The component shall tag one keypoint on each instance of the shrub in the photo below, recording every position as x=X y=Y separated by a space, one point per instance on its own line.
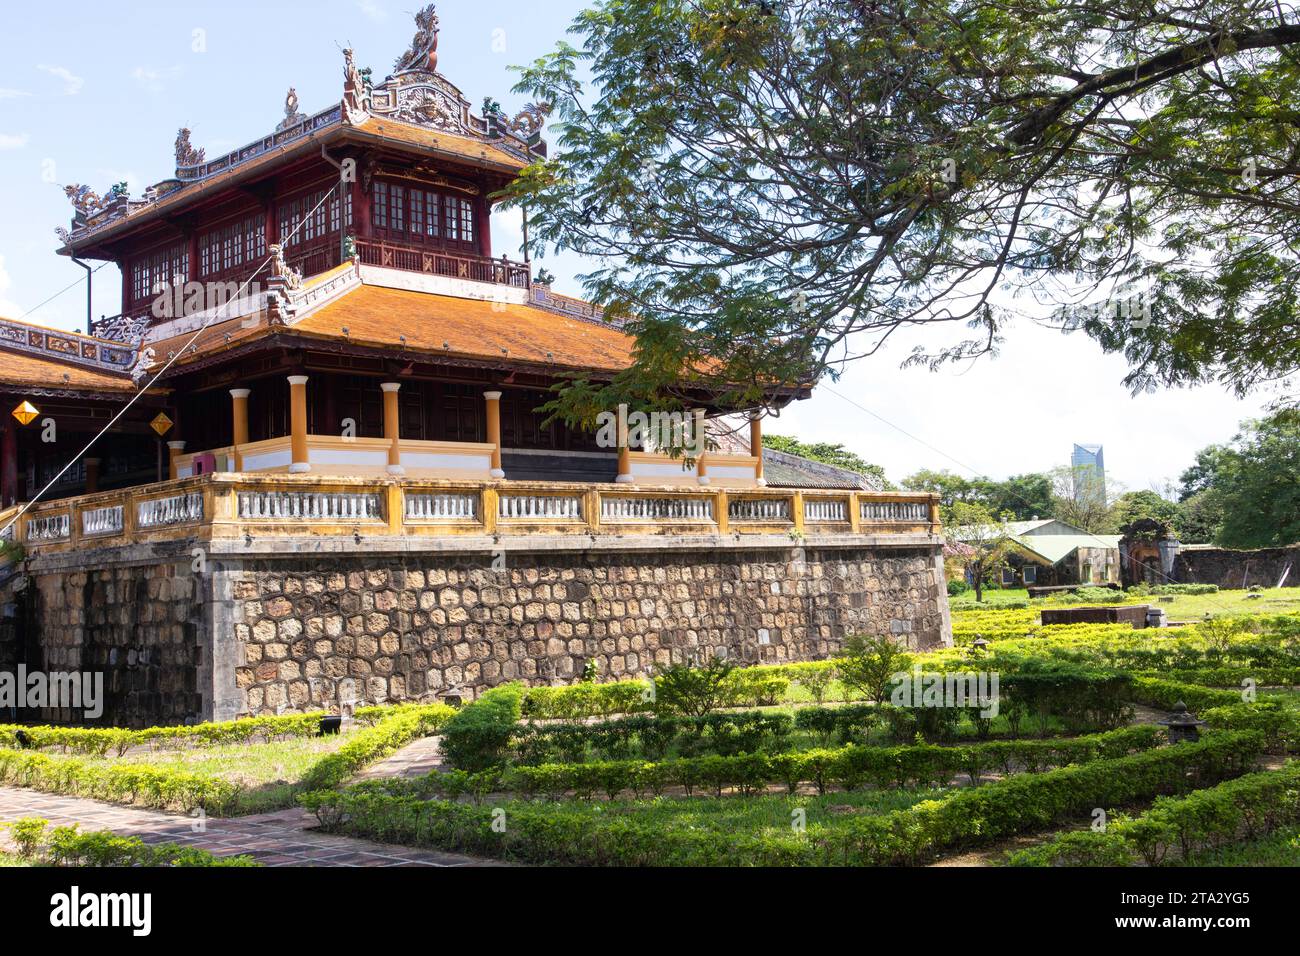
x=376 y=742
x=479 y=734
x=868 y=664
x=68 y=846
x=1246 y=808
x=691 y=690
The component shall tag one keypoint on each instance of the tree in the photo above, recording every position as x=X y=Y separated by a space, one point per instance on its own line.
x=981 y=544
x=770 y=190
x=1019 y=498
x=1085 y=503
x=829 y=454
x=1255 y=483
x=868 y=665
x=1199 y=518
x=1137 y=505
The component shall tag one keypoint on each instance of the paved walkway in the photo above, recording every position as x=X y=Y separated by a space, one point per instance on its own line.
x=273 y=839
x=417 y=759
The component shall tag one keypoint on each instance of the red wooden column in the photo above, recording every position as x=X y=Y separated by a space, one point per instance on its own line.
x=360 y=209
x=483 y=223
x=9 y=464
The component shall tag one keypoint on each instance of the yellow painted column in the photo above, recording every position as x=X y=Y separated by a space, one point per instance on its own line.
x=392 y=427
x=239 y=420
x=494 y=431
x=298 y=424
x=796 y=511
x=697 y=436
x=756 y=446
x=174 y=451
x=855 y=513
x=624 y=454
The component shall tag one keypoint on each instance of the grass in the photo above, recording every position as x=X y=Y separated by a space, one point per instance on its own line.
x=1179 y=607
x=268 y=772
x=13 y=859
x=1279 y=849
x=754 y=816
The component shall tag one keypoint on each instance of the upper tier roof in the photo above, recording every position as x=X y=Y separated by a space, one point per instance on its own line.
x=416 y=109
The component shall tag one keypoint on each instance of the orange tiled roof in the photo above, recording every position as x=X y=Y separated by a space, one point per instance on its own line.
x=378 y=316
x=18 y=368
x=210 y=339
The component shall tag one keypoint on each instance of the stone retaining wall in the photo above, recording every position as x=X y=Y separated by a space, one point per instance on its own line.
x=283 y=632
x=1237 y=569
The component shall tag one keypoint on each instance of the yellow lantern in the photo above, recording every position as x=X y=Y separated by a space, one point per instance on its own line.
x=161 y=424
x=26 y=413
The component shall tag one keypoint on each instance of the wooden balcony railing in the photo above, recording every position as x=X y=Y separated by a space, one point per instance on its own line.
x=439 y=262
x=248 y=506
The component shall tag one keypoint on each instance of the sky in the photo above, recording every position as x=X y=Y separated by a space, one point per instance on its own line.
x=94 y=93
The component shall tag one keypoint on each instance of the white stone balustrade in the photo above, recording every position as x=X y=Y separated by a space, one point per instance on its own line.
x=174 y=510
x=101 y=521
x=540 y=507
x=50 y=527
x=759 y=509
x=897 y=511
x=310 y=506
x=825 y=509
x=620 y=508
x=441 y=507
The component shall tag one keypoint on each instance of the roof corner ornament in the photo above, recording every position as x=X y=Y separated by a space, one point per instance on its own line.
x=423 y=54
x=140 y=370
x=356 y=92
x=186 y=154
x=122 y=328
x=291 y=115
x=530 y=120
x=281 y=273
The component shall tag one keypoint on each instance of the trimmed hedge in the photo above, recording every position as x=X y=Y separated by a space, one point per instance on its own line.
x=167 y=789
x=478 y=736
x=138 y=784
x=726 y=733
x=1163 y=694
x=1243 y=809
x=545 y=833
x=69 y=846
x=376 y=742
x=94 y=741
x=1280 y=727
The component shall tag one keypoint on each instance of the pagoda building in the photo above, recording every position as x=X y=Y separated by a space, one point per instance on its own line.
x=321 y=351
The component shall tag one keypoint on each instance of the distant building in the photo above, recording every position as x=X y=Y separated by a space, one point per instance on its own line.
x=1051 y=552
x=1088 y=464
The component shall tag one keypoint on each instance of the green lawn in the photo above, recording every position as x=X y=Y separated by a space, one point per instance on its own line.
x=268 y=772
x=1180 y=607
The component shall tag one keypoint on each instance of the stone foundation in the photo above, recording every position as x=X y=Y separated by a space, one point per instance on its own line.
x=288 y=631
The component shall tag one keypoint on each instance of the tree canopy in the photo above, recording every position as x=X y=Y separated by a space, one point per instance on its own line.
x=828 y=453
x=772 y=189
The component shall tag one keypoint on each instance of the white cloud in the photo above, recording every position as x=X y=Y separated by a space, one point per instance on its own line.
x=13 y=141
x=72 y=83
x=154 y=80
x=7 y=93
x=373 y=10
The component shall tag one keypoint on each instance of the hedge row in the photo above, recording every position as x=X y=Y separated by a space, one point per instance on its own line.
x=1280 y=727
x=1243 y=809
x=478 y=736
x=726 y=733
x=138 y=784
x=168 y=789
x=544 y=833
x=376 y=742
x=1164 y=694
x=94 y=741
x=744 y=687
x=847 y=768
x=68 y=846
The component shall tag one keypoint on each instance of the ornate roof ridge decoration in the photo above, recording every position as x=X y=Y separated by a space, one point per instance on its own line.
x=291 y=115
x=541 y=297
x=73 y=348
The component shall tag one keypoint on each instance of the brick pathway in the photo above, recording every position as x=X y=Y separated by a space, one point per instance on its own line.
x=273 y=839
x=417 y=759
